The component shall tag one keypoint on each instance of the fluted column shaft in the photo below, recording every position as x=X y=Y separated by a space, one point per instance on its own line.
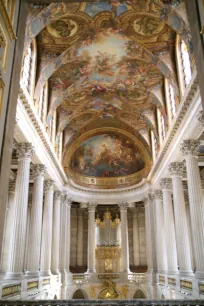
x=46 y=244
x=24 y=154
x=190 y=151
x=169 y=226
x=68 y=233
x=63 y=243
x=56 y=233
x=124 y=238
x=91 y=238
x=181 y=225
x=7 y=245
x=136 y=242
x=80 y=223
x=149 y=234
x=160 y=233
x=35 y=228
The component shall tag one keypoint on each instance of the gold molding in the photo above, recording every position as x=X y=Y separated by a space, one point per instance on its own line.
x=2 y=85
x=7 y=20
x=11 y=290
x=111 y=182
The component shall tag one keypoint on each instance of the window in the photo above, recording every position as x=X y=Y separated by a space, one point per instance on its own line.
x=186 y=63
x=163 y=131
x=172 y=101
x=26 y=68
x=154 y=145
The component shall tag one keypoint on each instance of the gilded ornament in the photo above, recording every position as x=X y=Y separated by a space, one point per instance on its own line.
x=7 y=20
x=108 y=291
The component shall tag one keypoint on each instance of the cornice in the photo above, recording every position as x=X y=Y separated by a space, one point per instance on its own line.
x=184 y=106
x=79 y=188
x=25 y=99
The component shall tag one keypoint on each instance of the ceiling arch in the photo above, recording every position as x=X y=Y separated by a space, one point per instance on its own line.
x=69 y=56
x=60 y=9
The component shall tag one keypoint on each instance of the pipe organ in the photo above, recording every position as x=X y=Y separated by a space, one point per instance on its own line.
x=108 y=244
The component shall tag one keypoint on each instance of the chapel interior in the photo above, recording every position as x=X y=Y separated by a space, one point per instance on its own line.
x=102 y=151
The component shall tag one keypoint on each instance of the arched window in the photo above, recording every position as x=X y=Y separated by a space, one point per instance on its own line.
x=26 y=68
x=172 y=101
x=186 y=63
x=161 y=126
x=163 y=131
x=29 y=67
x=154 y=145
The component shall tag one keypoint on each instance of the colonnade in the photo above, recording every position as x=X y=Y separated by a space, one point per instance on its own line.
x=49 y=229
x=168 y=230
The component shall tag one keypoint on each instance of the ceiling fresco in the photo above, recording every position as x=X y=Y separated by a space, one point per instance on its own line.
x=107 y=155
x=105 y=63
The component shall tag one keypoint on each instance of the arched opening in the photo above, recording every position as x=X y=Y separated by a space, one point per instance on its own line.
x=79 y=295
x=139 y=294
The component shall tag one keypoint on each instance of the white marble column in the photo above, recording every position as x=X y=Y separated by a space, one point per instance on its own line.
x=160 y=232
x=63 y=244
x=46 y=243
x=63 y=248
x=7 y=244
x=24 y=154
x=56 y=233
x=124 y=238
x=34 y=240
x=190 y=150
x=68 y=234
x=149 y=235
x=91 y=238
x=80 y=223
x=181 y=225
x=136 y=241
x=166 y=185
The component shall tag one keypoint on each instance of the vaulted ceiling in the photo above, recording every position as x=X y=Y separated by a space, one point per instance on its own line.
x=105 y=64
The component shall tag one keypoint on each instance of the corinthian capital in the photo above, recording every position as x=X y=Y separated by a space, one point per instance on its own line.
x=176 y=169
x=146 y=201
x=190 y=147
x=123 y=206
x=69 y=201
x=91 y=206
x=38 y=170
x=157 y=195
x=57 y=195
x=24 y=150
x=49 y=185
x=166 y=183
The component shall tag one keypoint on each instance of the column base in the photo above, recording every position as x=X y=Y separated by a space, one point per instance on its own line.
x=32 y=274
x=173 y=272
x=90 y=271
x=199 y=274
x=55 y=272
x=162 y=272
x=14 y=275
x=45 y=273
x=186 y=273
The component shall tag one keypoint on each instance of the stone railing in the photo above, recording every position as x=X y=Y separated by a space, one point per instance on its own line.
x=103 y=302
